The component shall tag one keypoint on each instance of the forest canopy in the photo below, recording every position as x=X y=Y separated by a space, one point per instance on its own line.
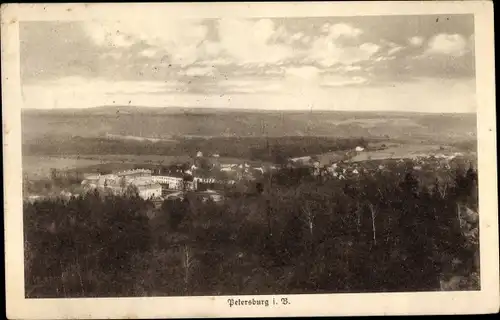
x=380 y=233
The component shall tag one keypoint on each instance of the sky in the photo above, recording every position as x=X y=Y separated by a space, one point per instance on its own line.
x=375 y=63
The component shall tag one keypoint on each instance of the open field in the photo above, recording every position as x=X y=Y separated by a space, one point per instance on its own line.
x=400 y=150
x=394 y=150
x=133 y=158
x=136 y=138
x=40 y=166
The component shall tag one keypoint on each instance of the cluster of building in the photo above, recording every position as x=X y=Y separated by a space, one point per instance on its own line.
x=148 y=185
x=118 y=183
x=153 y=186
x=346 y=168
x=200 y=176
x=171 y=184
x=212 y=168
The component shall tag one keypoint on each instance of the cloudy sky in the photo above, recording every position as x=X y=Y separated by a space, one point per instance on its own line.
x=402 y=63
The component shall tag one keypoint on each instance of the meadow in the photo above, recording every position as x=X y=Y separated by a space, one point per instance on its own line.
x=40 y=166
x=406 y=150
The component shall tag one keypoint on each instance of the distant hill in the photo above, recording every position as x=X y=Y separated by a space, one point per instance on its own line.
x=172 y=122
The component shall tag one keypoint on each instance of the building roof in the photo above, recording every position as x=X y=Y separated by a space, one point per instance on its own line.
x=175 y=174
x=141 y=181
x=149 y=187
x=134 y=171
x=91 y=176
x=305 y=158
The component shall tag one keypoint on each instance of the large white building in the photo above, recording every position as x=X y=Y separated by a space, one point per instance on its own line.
x=130 y=175
x=174 y=183
x=117 y=183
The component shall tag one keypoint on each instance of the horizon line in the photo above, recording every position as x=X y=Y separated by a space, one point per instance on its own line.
x=308 y=110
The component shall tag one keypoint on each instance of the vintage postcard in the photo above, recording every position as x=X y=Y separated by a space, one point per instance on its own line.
x=249 y=159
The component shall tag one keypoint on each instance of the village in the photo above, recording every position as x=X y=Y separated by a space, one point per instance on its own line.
x=209 y=178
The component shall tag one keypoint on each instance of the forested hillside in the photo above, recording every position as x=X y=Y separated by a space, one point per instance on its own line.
x=168 y=123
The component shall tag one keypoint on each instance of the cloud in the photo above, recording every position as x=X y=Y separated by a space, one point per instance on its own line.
x=307 y=73
x=248 y=42
x=341 y=30
x=198 y=71
x=250 y=85
x=244 y=43
x=340 y=81
x=297 y=36
x=416 y=41
x=328 y=53
x=331 y=48
x=297 y=79
x=369 y=48
x=391 y=47
x=306 y=39
x=76 y=84
x=79 y=92
x=113 y=54
x=309 y=83
x=447 y=44
x=108 y=34
x=394 y=50
x=182 y=39
x=149 y=53
x=216 y=62
x=274 y=71
x=349 y=68
x=306 y=82
x=211 y=49
x=287 y=58
x=381 y=58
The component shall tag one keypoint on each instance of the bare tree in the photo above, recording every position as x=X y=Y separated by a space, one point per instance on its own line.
x=64 y=276
x=443 y=190
x=308 y=217
x=131 y=191
x=373 y=212
x=358 y=218
x=461 y=221
x=187 y=264
x=123 y=184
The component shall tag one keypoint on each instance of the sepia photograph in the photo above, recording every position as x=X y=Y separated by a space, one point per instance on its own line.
x=259 y=159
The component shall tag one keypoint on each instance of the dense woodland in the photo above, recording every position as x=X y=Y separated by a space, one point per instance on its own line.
x=383 y=232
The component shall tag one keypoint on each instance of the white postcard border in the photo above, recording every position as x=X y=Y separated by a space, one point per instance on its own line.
x=484 y=301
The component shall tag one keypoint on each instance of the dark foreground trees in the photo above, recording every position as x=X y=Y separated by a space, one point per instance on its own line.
x=84 y=246
x=381 y=232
